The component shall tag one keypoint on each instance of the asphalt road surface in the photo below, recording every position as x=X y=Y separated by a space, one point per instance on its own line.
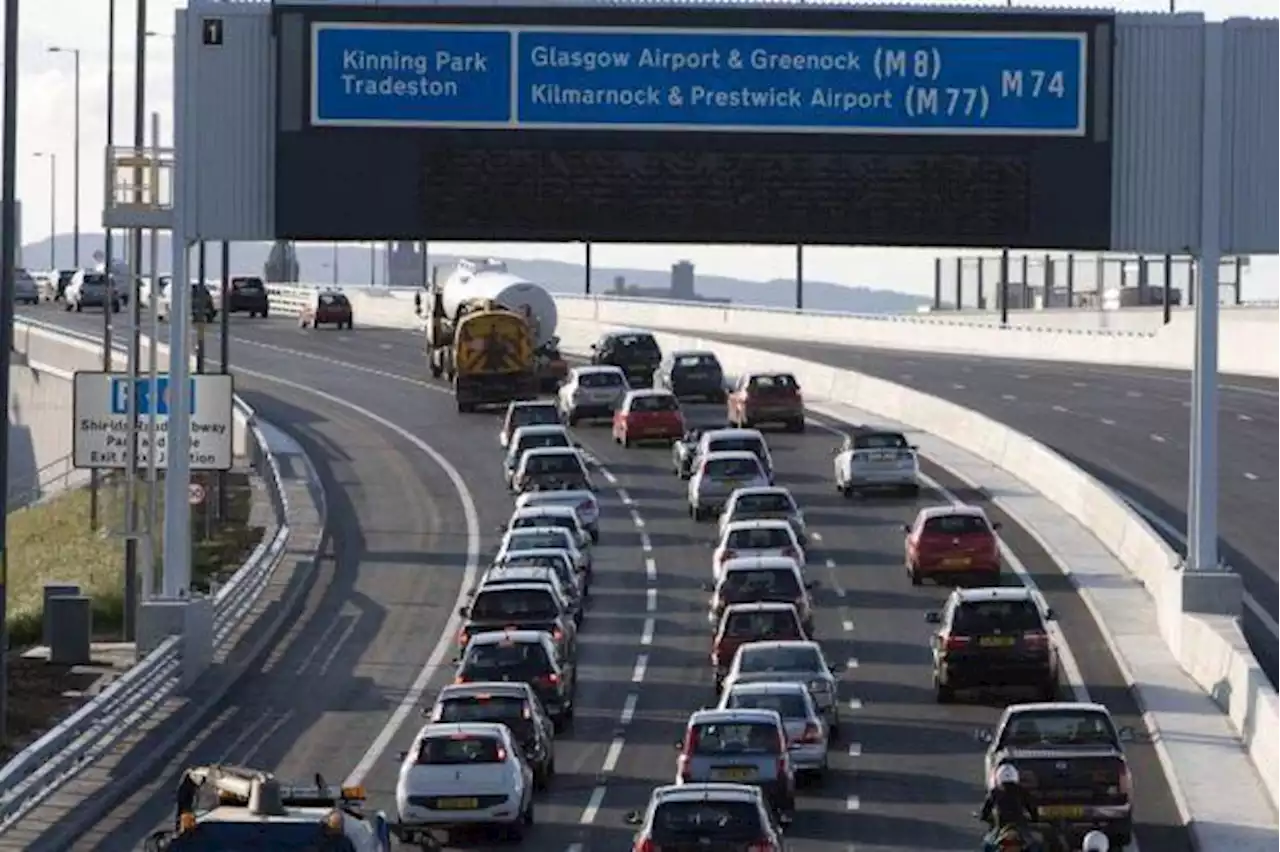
x=908 y=772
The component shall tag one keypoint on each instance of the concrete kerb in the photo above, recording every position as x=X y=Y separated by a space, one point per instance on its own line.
x=137 y=760
x=1213 y=659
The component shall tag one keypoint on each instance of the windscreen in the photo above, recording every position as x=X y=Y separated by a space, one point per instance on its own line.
x=535 y=442
x=535 y=539
x=534 y=415
x=777 y=383
x=756 y=538
x=251 y=285
x=600 y=380
x=788 y=705
x=515 y=604
x=483 y=708
x=979 y=617
x=561 y=463
x=458 y=750
x=770 y=624
x=1060 y=728
x=728 y=445
x=955 y=525
x=799 y=659
x=557 y=563
x=333 y=300
x=735 y=468
x=495 y=660
x=761 y=504
x=657 y=402
x=735 y=738
x=259 y=837
x=674 y=822
x=636 y=344
x=765 y=584
x=880 y=441
x=562 y=521
x=95 y=279
x=696 y=364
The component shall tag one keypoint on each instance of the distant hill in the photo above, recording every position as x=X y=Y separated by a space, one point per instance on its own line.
x=358 y=265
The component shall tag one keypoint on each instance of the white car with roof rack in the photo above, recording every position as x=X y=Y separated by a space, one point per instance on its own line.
x=464 y=776
x=252 y=809
x=585 y=505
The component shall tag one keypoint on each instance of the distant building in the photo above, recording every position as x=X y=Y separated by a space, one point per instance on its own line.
x=406 y=264
x=682 y=281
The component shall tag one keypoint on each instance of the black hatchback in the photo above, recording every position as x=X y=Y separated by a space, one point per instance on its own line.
x=515 y=705
x=636 y=353
x=695 y=375
x=248 y=295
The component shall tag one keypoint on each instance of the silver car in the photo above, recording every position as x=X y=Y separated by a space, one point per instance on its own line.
x=772 y=502
x=582 y=502
x=527 y=438
x=876 y=459
x=26 y=290
x=800 y=661
x=591 y=393
x=739 y=747
x=718 y=475
x=806 y=731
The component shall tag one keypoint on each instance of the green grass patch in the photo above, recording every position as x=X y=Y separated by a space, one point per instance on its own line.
x=54 y=542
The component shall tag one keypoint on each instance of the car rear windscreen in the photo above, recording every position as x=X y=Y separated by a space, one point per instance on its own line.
x=260 y=837
x=781 y=382
x=600 y=380
x=732 y=738
x=535 y=540
x=880 y=441
x=657 y=402
x=522 y=604
x=768 y=538
x=762 y=584
x=562 y=521
x=770 y=624
x=699 y=363
x=553 y=463
x=740 y=469
x=636 y=343
x=788 y=705
x=754 y=660
x=487 y=708
x=336 y=300
x=955 y=525
x=459 y=749
x=728 y=445
x=674 y=822
x=774 y=503
x=979 y=617
x=534 y=415
x=494 y=660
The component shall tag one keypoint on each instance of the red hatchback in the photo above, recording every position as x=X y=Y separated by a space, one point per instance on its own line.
x=648 y=415
x=767 y=398
x=953 y=543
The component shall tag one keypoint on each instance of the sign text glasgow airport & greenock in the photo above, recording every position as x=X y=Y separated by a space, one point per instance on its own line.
x=821 y=81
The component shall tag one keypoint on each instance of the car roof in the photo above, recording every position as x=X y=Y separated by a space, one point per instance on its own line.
x=448 y=729
x=562 y=552
x=534 y=403
x=994 y=593
x=530 y=586
x=757 y=715
x=552 y=499
x=529 y=531
x=759 y=606
x=597 y=368
x=532 y=573
x=641 y=392
x=688 y=353
x=551 y=451
x=778 y=644
x=485 y=687
x=760 y=563
x=770 y=687
x=540 y=429
x=954 y=510
x=732 y=432
x=761 y=490
x=515 y=637
x=758 y=524
x=707 y=790
x=730 y=454
x=1057 y=706
x=625 y=332
x=549 y=509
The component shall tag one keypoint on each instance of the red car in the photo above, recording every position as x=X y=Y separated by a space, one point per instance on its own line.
x=953 y=543
x=327 y=308
x=767 y=398
x=648 y=415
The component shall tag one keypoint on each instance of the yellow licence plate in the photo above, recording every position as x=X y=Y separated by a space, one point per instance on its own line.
x=956 y=563
x=996 y=641
x=1060 y=812
x=735 y=773
x=457 y=804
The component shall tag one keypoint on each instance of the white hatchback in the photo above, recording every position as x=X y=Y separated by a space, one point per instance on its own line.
x=542 y=538
x=459 y=776
x=582 y=502
x=741 y=539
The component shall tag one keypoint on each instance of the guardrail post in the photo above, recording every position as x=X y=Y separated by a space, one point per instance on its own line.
x=197 y=639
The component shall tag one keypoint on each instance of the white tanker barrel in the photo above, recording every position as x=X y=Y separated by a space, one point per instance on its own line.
x=509 y=291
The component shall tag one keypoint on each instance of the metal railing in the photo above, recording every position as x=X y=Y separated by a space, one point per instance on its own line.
x=50 y=479
x=80 y=739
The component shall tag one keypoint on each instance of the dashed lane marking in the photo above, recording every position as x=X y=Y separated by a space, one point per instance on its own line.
x=651 y=600
x=650 y=570
x=646 y=635
x=855 y=749
x=593 y=806
x=628 y=709
x=612 y=756
x=642 y=663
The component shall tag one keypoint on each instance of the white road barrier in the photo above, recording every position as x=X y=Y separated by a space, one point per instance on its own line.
x=38 y=770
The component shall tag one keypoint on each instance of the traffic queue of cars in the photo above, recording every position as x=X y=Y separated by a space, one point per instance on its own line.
x=489 y=740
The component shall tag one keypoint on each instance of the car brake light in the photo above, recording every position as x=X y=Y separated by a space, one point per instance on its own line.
x=557 y=634
x=812 y=734
x=502 y=754
x=646 y=845
x=460 y=679
x=1036 y=639
x=524 y=712
x=765 y=845
x=552 y=679
x=956 y=642
x=462 y=637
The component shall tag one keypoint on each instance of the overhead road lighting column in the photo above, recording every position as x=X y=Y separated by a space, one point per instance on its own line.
x=75 y=167
x=8 y=254
x=53 y=206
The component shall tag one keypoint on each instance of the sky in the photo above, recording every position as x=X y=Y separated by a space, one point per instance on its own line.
x=46 y=99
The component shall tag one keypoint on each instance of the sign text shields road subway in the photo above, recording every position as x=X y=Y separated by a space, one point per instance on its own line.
x=872 y=82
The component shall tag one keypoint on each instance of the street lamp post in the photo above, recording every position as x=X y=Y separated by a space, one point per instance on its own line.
x=53 y=206
x=75 y=166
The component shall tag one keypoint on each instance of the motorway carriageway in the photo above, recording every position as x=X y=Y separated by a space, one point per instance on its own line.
x=1127 y=426
x=907 y=773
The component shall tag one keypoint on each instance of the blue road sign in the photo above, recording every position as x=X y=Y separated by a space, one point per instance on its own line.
x=828 y=82
x=367 y=75
x=144 y=396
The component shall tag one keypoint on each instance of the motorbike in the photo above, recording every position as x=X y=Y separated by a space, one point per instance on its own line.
x=1038 y=837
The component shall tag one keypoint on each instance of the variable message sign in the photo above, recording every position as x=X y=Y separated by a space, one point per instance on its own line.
x=645 y=79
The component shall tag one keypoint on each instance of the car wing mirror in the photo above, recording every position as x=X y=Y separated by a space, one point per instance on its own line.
x=906 y=528
x=464 y=611
x=984 y=736
x=1049 y=614
x=933 y=617
x=632 y=818
x=678 y=745
x=402 y=755
x=997 y=526
x=914 y=447
x=811 y=584
x=1127 y=734
x=707 y=587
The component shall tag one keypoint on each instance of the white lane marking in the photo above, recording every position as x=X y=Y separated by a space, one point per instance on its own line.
x=1133 y=394
x=1243 y=418
x=612 y=755
x=412 y=697
x=1250 y=476
x=642 y=663
x=1107 y=421
x=575 y=847
x=386 y=347
x=957 y=386
x=1008 y=397
x=637 y=520
x=1186 y=403
x=855 y=749
x=624 y=496
x=1079 y=384
x=1022 y=376
x=651 y=600
x=855 y=703
x=852 y=663
x=593 y=806
x=852 y=803
x=609 y=477
x=1061 y=409
x=847 y=626
x=816 y=536
x=646 y=543
x=906 y=377
x=1159 y=439
x=628 y=709
x=1170 y=531
x=650 y=570
x=646 y=635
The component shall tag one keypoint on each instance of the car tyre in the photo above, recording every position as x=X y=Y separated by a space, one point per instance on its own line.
x=796 y=425
x=625 y=441
x=914 y=575
x=942 y=693
x=1049 y=689
x=912 y=491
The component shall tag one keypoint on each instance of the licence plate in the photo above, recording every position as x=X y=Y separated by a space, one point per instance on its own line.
x=734 y=773
x=996 y=641
x=458 y=804
x=956 y=563
x=1060 y=812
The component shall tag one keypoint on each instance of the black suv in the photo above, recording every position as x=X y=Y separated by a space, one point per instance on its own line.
x=636 y=353
x=248 y=295
x=993 y=637
x=515 y=705
x=523 y=656
x=693 y=374
x=521 y=606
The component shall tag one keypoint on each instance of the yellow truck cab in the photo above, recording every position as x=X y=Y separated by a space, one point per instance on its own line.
x=493 y=359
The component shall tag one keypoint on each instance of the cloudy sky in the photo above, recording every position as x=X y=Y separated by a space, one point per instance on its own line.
x=46 y=109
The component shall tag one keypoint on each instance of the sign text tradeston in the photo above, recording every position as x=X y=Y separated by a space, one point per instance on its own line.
x=902 y=82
